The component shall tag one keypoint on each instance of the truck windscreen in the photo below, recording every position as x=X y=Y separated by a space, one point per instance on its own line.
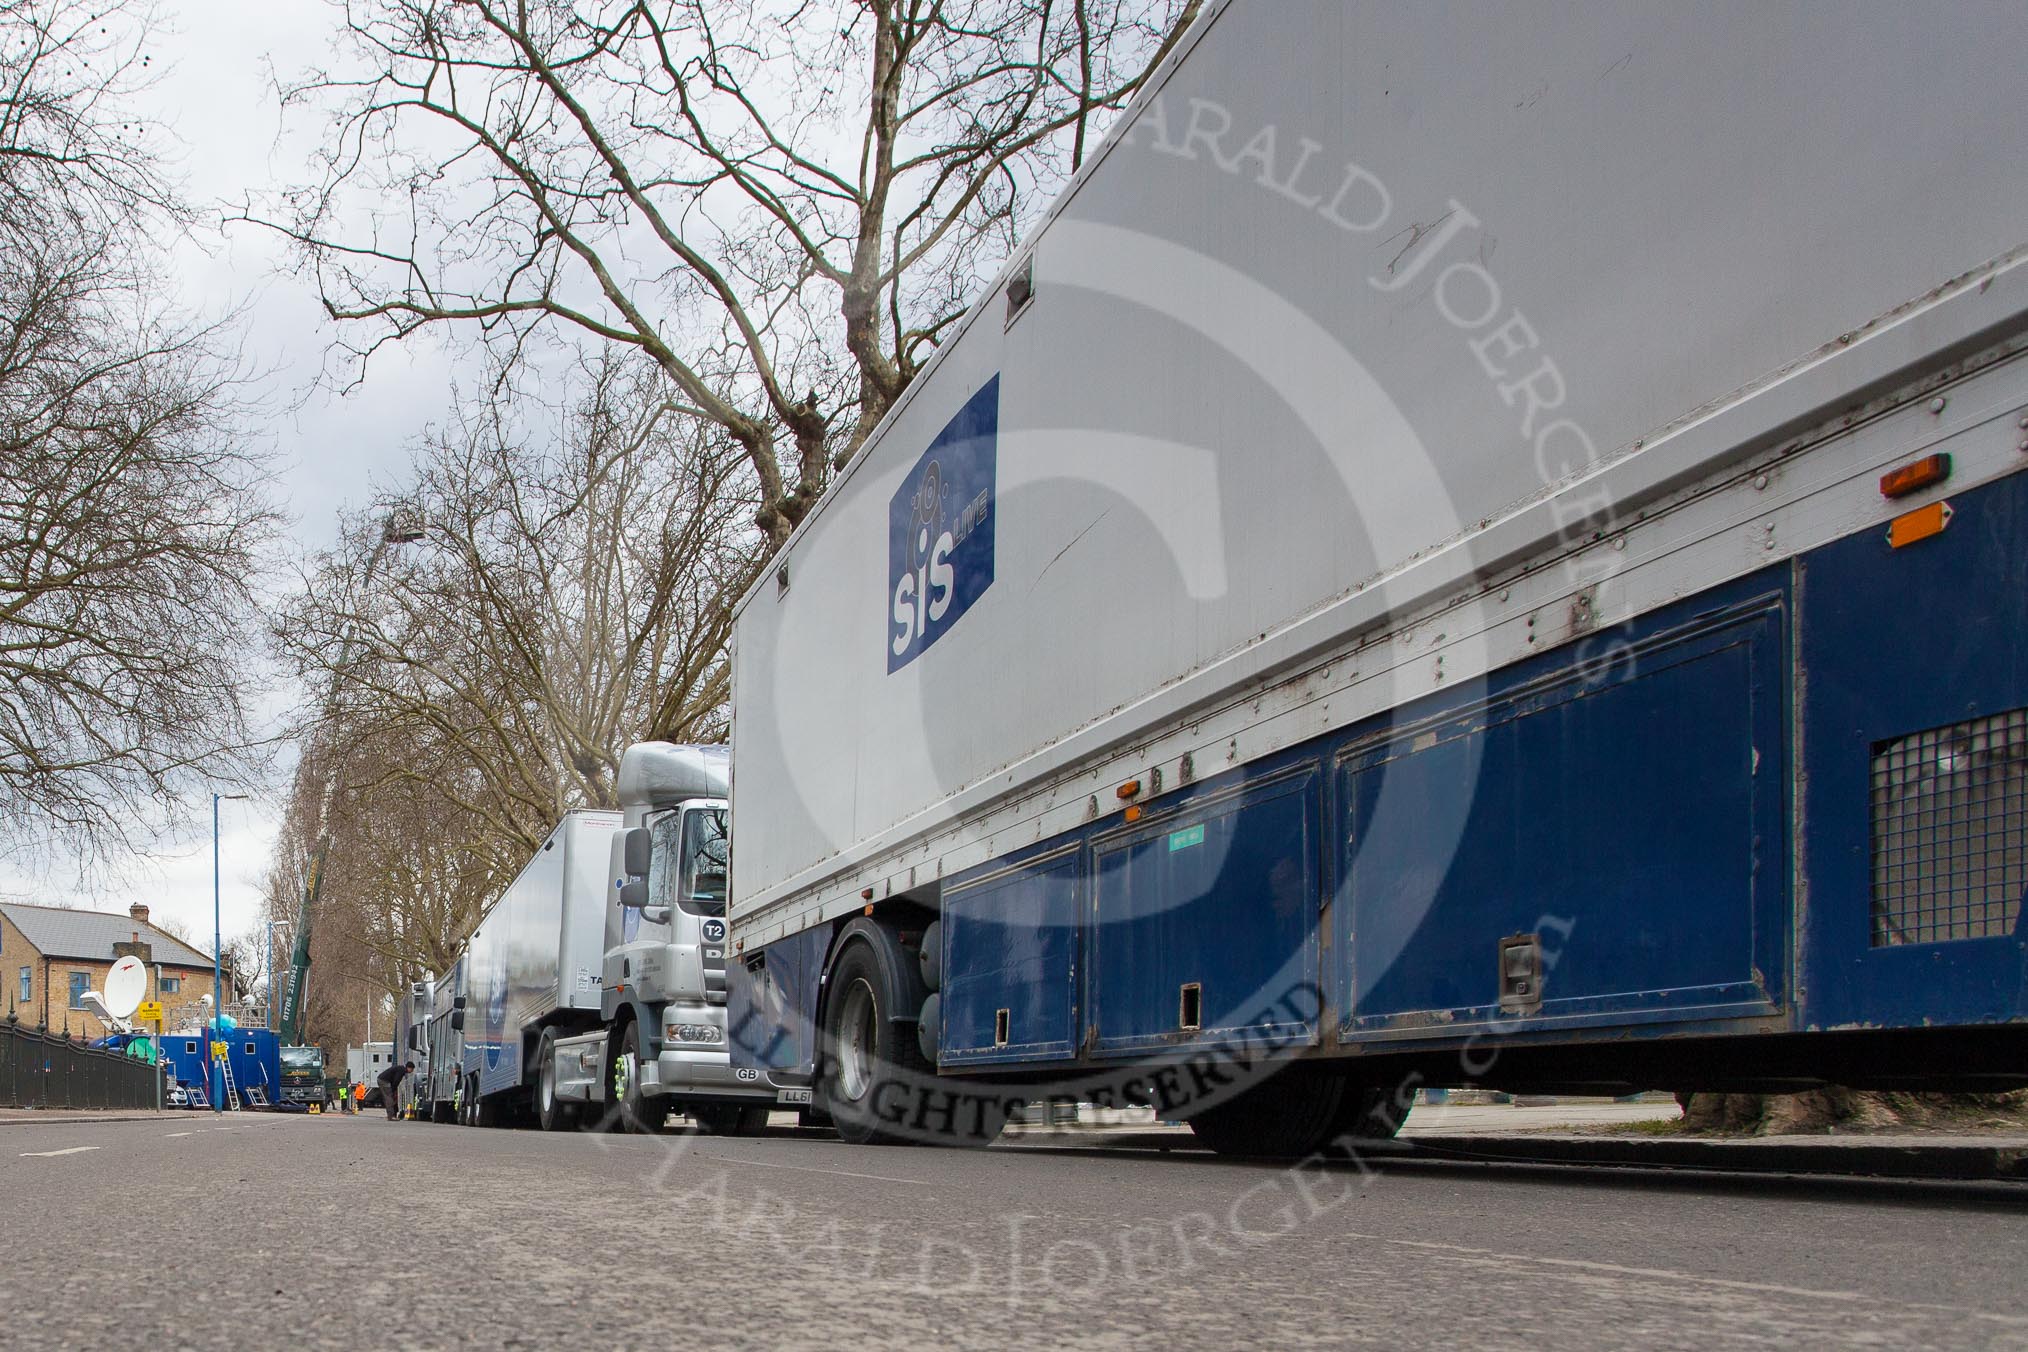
x=689 y=864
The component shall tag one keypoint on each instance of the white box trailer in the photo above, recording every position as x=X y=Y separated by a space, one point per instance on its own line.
x=1389 y=368
x=363 y=1064
x=534 y=960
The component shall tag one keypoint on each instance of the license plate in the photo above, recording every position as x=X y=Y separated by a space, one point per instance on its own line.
x=793 y=1096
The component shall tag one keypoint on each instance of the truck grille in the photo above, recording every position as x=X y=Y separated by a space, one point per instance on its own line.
x=1950 y=831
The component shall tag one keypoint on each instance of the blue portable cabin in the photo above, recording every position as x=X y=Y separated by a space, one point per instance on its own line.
x=184 y=1055
x=253 y=1054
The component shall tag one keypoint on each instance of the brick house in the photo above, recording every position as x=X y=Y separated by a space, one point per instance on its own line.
x=50 y=955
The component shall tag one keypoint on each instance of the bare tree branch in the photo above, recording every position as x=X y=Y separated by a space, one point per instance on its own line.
x=786 y=205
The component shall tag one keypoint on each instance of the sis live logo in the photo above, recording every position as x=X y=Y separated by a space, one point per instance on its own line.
x=940 y=530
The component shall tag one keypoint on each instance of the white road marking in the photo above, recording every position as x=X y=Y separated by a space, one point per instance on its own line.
x=174 y=1134
x=808 y=1169
x=1516 y=1261
x=47 y=1154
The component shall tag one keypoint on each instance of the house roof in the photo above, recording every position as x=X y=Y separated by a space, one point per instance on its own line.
x=62 y=933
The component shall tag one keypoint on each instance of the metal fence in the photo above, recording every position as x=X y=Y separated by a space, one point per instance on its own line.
x=41 y=1069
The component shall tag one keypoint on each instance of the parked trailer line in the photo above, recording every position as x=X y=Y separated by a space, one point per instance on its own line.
x=592 y=991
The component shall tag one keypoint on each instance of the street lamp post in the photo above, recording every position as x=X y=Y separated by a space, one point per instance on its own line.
x=217 y=945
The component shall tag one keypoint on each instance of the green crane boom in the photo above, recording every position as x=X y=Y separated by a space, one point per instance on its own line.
x=290 y=1033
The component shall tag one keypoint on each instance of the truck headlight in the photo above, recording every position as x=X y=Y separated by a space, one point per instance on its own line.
x=693 y=1033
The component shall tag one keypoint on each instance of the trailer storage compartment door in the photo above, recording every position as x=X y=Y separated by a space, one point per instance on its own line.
x=1011 y=963
x=1617 y=814
x=1206 y=923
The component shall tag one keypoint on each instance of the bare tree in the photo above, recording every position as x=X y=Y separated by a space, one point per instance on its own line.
x=131 y=517
x=72 y=148
x=405 y=877
x=561 y=604
x=785 y=204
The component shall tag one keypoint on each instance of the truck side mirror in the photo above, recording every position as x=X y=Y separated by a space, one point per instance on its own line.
x=458 y=1002
x=637 y=848
x=458 y=1020
x=634 y=892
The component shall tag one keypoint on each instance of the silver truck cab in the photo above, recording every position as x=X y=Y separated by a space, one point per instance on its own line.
x=666 y=929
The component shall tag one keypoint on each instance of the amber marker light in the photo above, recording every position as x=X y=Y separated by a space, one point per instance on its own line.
x=1919 y=524
x=1916 y=475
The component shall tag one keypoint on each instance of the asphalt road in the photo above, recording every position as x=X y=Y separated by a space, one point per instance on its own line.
x=334 y=1231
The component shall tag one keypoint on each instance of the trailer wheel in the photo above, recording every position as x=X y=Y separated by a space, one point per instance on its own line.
x=637 y=1113
x=731 y=1119
x=1298 y=1111
x=1366 y=1113
x=551 y=1112
x=875 y=1083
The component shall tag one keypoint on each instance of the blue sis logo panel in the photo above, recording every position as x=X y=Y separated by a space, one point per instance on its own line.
x=940 y=530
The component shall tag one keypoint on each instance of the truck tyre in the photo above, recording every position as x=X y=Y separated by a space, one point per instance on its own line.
x=932 y=956
x=551 y=1112
x=876 y=1084
x=1367 y=1113
x=628 y=1109
x=731 y=1119
x=1295 y=1112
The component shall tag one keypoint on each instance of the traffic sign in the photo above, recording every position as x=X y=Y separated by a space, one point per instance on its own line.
x=148 y=1011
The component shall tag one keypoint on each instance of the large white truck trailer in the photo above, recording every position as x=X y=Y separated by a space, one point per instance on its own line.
x=1475 y=543
x=592 y=992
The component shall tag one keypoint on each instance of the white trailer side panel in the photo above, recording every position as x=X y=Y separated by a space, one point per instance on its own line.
x=538 y=947
x=1362 y=281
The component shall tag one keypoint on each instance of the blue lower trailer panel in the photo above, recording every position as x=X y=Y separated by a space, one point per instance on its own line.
x=1629 y=811
x=1625 y=809
x=1795 y=802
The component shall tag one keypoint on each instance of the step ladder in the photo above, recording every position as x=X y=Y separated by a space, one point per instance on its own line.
x=225 y=1078
x=257 y=1097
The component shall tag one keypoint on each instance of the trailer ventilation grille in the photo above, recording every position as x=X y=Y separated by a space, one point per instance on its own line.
x=1950 y=831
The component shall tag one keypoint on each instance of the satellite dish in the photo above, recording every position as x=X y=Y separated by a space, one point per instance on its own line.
x=126 y=984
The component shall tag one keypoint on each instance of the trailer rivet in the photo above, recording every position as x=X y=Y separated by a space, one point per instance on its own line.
x=1760 y=481
x=1936 y=405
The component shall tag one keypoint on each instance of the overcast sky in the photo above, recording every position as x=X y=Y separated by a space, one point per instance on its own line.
x=215 y=95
